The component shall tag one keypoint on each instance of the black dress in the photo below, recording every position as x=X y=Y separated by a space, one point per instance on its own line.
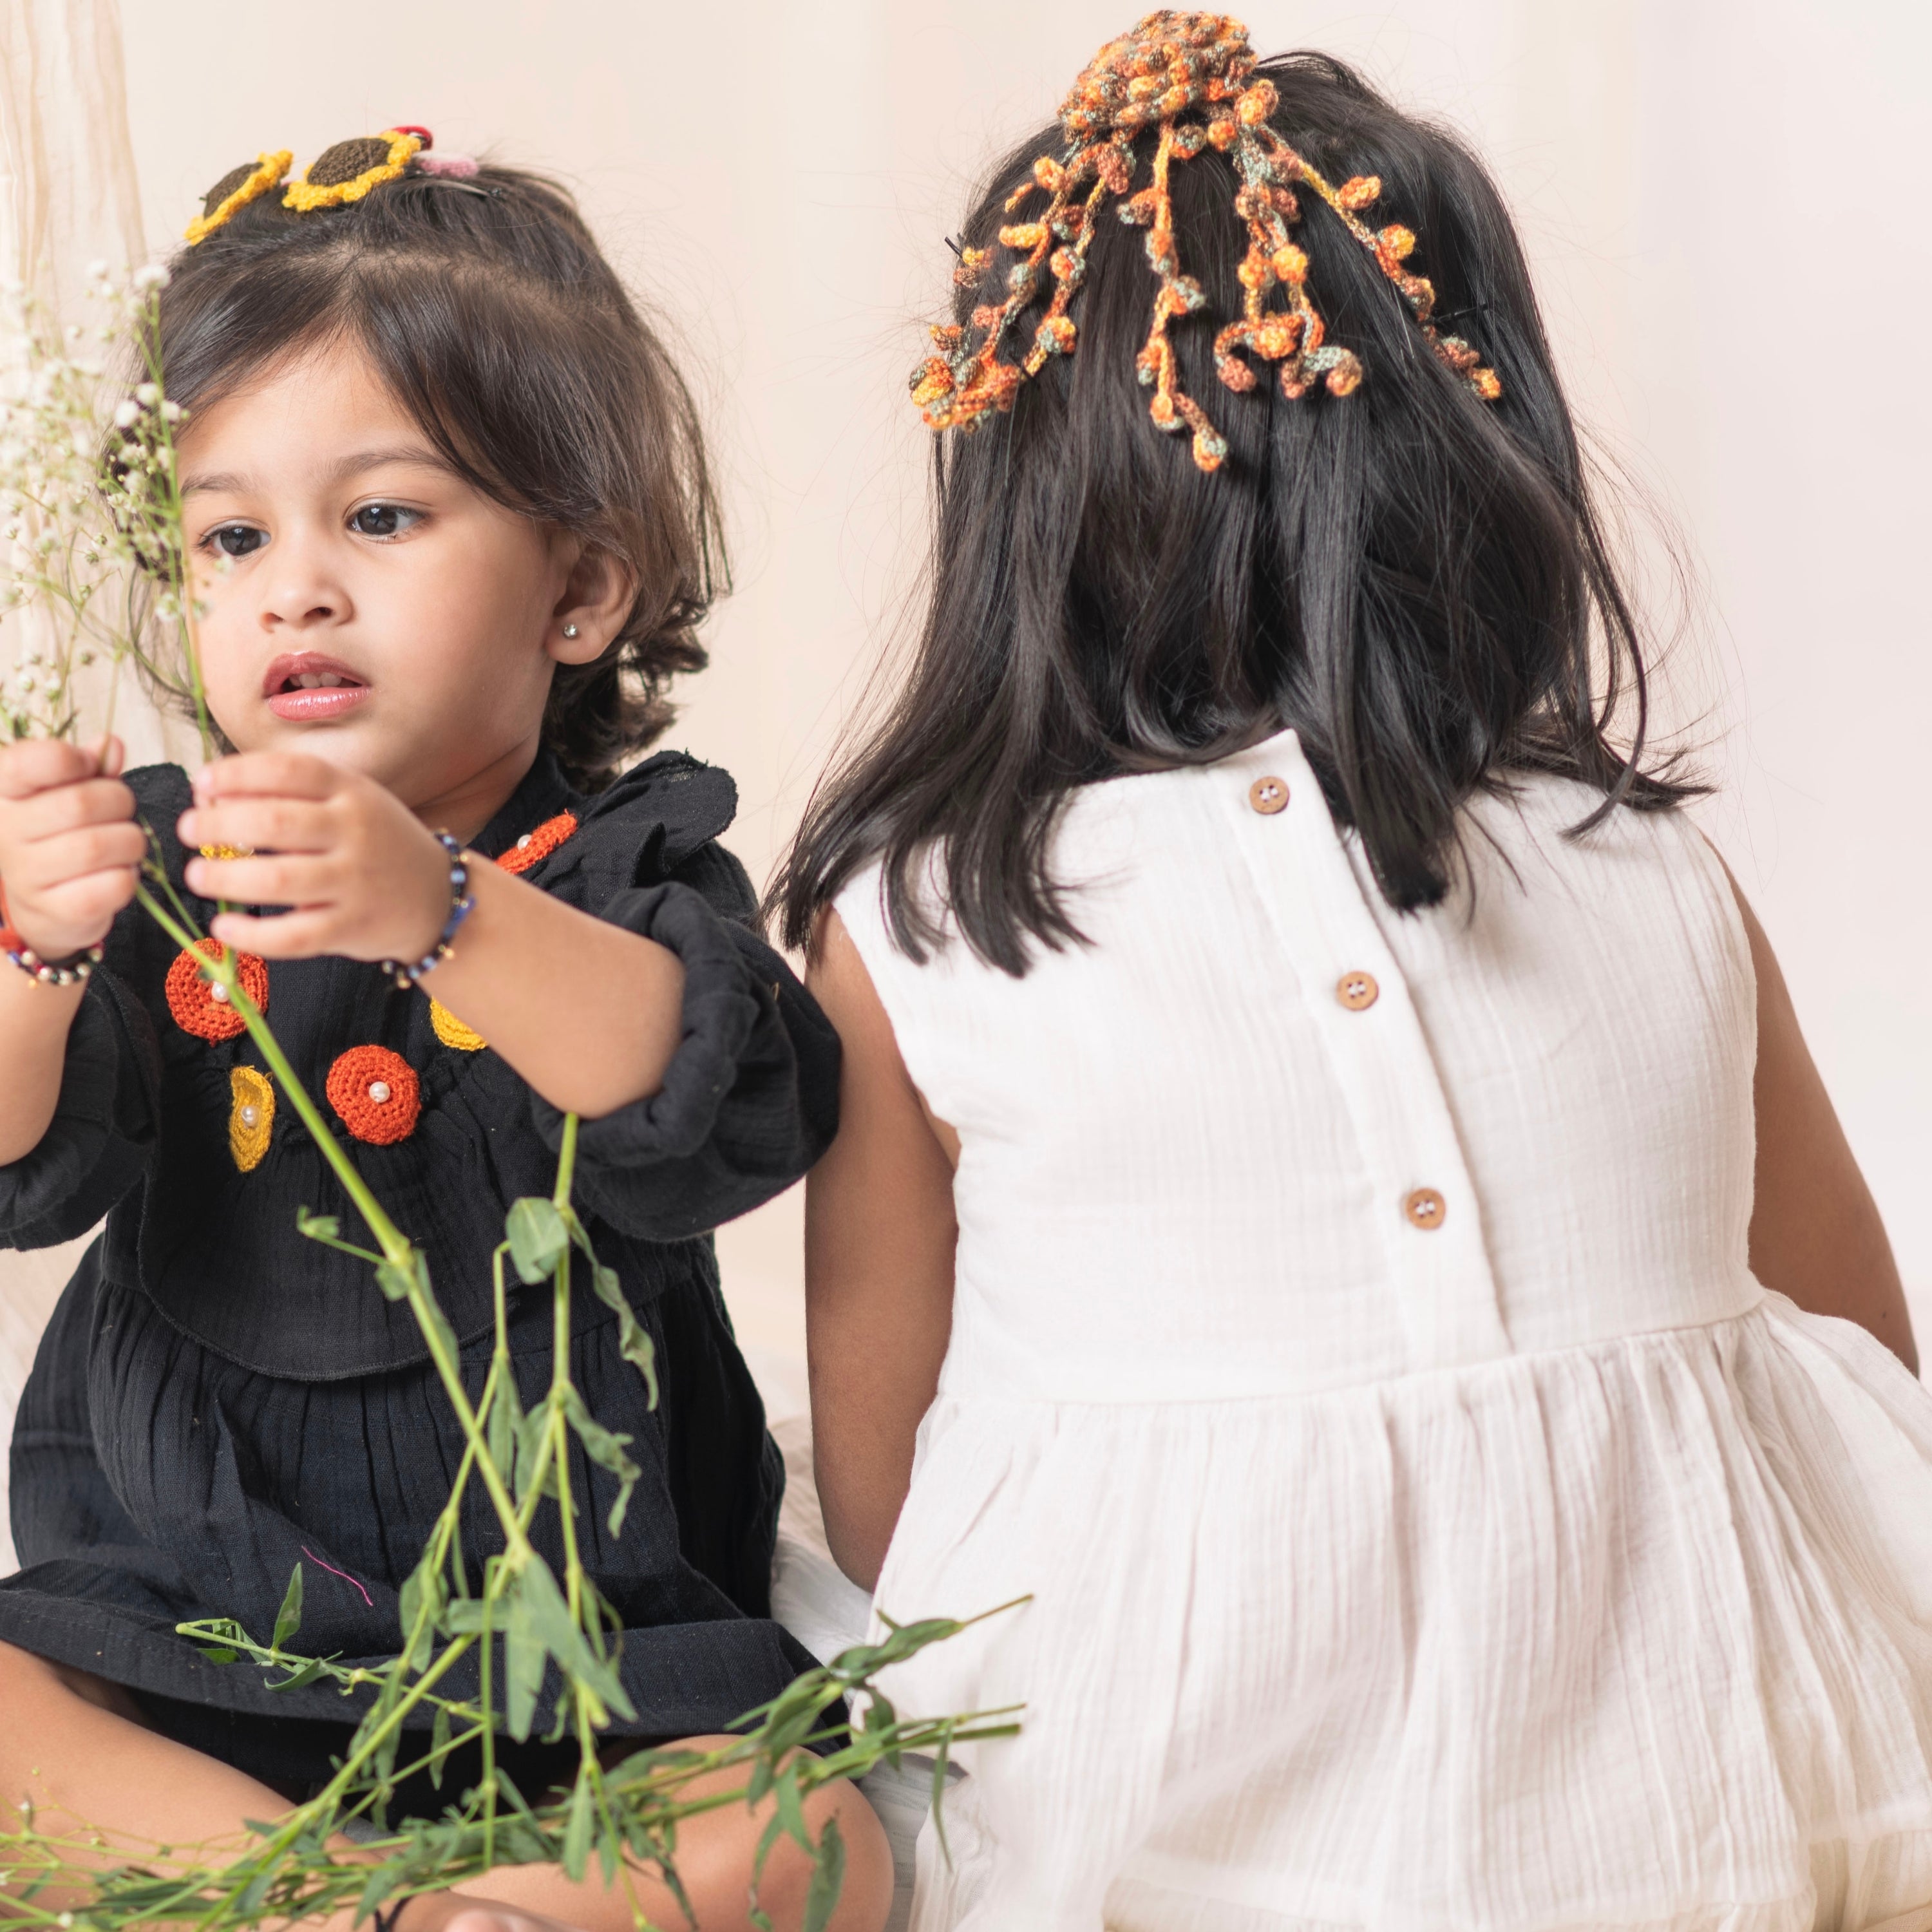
x=218 y=1399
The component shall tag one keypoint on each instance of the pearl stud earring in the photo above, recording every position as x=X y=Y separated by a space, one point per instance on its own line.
x=570 y=630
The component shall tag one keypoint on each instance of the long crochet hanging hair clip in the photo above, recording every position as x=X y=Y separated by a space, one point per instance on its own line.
x=1172 y=64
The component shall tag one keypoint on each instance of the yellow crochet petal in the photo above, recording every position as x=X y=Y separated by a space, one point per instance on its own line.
x=267 y=173
x=251 y=1118
x=304 y=196
x=452 y=1032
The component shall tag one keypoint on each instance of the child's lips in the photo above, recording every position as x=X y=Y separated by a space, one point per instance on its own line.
x=307 y=688
x=305 y=707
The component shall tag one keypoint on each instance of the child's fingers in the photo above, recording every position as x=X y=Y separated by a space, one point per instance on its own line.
x=38 y=763
x=277 y=824
x=279 y=879
x=110 y=755
x=91 y=848
x=61 y=809
x=287 y=935
x=273 y=774
x=89 y=903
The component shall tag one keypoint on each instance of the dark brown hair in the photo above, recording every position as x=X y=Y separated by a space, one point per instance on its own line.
x=1415 y=580
x=488 y=309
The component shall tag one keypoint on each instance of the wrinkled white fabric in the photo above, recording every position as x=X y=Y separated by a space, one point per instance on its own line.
x=1537 y=1569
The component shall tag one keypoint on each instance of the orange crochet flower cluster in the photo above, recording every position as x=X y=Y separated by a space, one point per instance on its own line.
x=376 y=1093
x=534 y=847
x=1172 y=64
x=199 y=1005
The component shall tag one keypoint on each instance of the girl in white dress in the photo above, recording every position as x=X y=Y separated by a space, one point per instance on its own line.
x=1332 y=1204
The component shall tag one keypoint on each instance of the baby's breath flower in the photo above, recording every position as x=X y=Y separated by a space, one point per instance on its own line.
x=151 y=275
x=147 y=395
x=126 y=414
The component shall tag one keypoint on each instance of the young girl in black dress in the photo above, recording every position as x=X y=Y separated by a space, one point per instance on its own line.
x=449 y=514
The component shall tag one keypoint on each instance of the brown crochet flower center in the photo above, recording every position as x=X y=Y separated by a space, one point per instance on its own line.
x=346 y=160
x=225 y=186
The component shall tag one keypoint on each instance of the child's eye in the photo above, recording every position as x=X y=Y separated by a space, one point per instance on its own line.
x=236 y=539
x=383 y=520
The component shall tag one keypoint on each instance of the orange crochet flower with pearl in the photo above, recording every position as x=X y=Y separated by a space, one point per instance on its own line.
x=201 y=1007
x=539 y=845
x=376 y=1093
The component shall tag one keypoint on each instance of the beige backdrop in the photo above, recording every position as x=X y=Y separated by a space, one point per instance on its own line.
x=1720 y=198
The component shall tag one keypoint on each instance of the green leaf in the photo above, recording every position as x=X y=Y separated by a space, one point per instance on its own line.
x=523 y=1659
x=633 y=1343
x=317 y=1227
x=538 y=1238
x=506 y=1415
x=395 y=1281
x=219 y=1656
x=606 y=1449
x=439 y=1744
x=828 y=1879
x=462 y=1616
x=939 y=1804
x=791 y=1805
x=314 y=1668
x=288 y=1618
x=577 y=1829
x=550 y=1619
x=423 y=1596
x=530 y=1446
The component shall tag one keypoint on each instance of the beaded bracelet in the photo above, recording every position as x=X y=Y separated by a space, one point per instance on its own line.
x=73 y=971
x=460 y=907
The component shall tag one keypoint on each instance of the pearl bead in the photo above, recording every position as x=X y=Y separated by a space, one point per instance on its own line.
x=249 y=1115
x=218 y=994
x=379 y=1091
x=523 y=842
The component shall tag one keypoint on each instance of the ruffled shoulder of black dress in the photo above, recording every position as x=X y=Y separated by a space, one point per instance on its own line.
x=648 y=824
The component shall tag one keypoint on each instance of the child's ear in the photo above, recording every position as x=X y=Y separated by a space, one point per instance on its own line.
x=598 y=595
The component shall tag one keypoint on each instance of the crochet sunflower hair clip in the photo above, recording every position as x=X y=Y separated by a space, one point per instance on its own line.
x=1189 y=75
x=338 y=176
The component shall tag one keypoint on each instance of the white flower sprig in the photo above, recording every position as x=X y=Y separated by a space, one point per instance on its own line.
x=90 y=505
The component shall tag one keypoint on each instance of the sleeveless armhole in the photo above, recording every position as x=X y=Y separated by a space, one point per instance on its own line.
x=1709 y=863
x=909 y=992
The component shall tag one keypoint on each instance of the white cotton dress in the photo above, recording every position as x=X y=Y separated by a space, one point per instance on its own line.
x=1429 y=1521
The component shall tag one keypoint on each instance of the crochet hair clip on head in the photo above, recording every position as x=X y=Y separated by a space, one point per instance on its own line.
x=337 y=177
x=1188 y=79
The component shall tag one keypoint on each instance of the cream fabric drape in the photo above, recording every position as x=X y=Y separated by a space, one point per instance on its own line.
x=68 y=196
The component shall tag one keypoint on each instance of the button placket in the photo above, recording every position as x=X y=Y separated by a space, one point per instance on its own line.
x=1383 y=1065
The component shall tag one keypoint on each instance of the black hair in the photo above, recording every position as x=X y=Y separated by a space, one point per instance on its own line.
x=1414 y=579
x=485 y=305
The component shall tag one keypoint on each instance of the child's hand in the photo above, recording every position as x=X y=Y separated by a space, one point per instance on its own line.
x=70 y=853
x=366 y=880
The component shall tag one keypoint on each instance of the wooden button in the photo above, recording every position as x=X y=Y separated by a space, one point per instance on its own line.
x=1425 y=1208
x=1268 y=795
x=1357 y=991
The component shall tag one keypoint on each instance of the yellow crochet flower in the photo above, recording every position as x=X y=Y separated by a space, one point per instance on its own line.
x=452 y=1032
x=348 y=170
x=236 y=189
x=251 y=1117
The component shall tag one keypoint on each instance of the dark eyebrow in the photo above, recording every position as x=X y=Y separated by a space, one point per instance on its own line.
x=418 y=454
x=362 y=461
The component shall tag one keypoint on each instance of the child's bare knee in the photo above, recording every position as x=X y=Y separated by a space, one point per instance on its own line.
x=714 y=1869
